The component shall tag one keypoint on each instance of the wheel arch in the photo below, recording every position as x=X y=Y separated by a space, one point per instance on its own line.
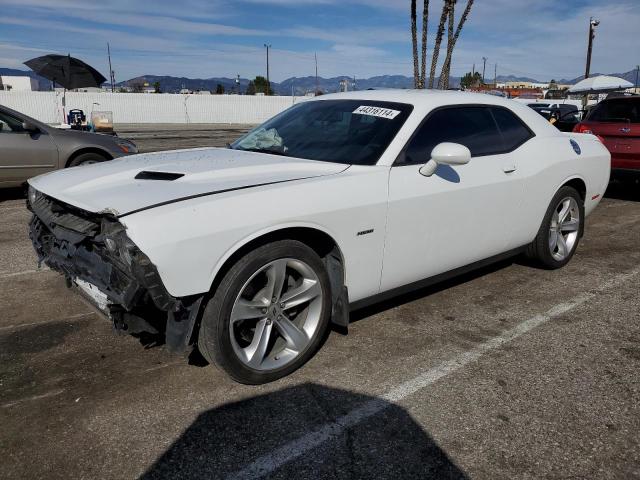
x=578 y=183
x=83 y=150
x=314 y=236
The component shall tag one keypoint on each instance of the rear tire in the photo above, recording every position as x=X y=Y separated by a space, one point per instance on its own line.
x=560 y=232
x=257 y=331
x=87 y=159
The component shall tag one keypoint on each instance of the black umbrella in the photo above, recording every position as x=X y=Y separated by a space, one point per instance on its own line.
x=66 y=71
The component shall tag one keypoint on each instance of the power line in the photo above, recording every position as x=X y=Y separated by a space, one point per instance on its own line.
x=484 y=66
x=112 y=77
x=268 y=82
x=315 y=56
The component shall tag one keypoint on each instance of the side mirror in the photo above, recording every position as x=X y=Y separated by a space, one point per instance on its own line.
x=29 y=127
x=446 y=154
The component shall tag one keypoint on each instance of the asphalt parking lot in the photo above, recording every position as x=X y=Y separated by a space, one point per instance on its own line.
x=508 y=372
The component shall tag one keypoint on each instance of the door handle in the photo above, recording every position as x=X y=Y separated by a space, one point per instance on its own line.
x=509 y=168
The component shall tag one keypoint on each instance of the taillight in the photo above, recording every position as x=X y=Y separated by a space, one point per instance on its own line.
x=582 y=128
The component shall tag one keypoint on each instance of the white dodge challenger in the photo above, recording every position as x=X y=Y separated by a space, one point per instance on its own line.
x=251 y=251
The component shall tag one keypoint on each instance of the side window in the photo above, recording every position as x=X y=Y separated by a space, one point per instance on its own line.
x=514 y=132
x=472 y=127
x=9 y=124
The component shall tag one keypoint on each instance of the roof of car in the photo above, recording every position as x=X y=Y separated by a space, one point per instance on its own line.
x=622 y=97
x=419 y=97
x=427 y=100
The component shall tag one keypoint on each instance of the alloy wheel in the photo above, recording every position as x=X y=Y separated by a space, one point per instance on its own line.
x=564 y=228
x=276 y=314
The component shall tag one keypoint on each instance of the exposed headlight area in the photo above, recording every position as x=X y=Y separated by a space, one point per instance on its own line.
x=32 y=195
x=95 y=250
x=127 y=146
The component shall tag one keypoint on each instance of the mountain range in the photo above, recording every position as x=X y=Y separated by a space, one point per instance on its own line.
x=295 y=85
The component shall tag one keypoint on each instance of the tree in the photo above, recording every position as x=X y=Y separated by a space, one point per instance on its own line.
x=419 y=65
x=262 y=85
x=471 y=80
x=443 y=81
x=451 y=43
x=219 y=89
x=553 y=85
x=425 y=25
x=137 y=87
x=439 y=34
x=156 y=87
x=251 y=88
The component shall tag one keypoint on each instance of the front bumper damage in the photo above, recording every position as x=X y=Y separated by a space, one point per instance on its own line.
x=101 y=262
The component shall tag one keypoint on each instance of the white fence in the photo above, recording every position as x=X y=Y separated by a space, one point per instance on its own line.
x=150 y=108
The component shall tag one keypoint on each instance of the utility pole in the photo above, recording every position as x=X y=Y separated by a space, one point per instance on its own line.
x=268 y=81
x=315 y=56
x=484 y=66
x=635 y=90
x=495 y=76
x=112 y=76
x=592 y=27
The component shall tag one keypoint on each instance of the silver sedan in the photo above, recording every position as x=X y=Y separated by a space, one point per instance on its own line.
x=29 y=147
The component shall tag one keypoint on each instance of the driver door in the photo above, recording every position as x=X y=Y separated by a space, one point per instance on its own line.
x=24 y=154
x=460 y=214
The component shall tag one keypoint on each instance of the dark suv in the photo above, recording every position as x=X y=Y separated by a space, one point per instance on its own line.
x=617 y=122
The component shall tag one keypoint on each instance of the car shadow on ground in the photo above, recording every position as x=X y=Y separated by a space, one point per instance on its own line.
x=629 y=190
x=419 y=293
x=13 y=193
x=284 y=434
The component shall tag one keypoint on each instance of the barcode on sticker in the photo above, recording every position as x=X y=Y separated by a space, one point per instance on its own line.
x=376 y=111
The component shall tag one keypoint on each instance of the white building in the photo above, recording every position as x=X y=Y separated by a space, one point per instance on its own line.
x=18 y=84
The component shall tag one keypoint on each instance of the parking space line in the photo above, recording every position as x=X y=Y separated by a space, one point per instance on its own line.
x=23 y=272
x=267 y=464
x=70 y=317
x=52 y=393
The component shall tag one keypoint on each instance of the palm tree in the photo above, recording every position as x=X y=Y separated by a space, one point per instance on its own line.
x=443 y=81
x=419 y=65
x=438 y=42
x=446 y=67
x=425 y=24
x=414 y=42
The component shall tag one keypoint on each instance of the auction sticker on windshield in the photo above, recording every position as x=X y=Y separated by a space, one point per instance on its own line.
x=376 y=111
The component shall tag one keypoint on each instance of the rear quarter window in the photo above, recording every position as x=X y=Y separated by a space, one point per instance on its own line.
x=514 y=131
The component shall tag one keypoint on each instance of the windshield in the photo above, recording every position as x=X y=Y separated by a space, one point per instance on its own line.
x=339 y=131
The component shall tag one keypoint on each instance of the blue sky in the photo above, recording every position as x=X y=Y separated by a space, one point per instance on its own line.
x=543 y=39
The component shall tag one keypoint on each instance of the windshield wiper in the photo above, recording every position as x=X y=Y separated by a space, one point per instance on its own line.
x=264 y=150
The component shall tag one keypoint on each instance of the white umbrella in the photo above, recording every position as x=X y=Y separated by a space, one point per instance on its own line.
x=601 y=84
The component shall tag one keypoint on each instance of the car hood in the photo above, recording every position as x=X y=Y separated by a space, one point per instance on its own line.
x=113 y=187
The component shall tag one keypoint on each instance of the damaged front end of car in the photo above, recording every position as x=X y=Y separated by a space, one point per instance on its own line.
x=108 y=269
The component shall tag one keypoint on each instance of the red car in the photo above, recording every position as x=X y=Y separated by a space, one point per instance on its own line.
x=617 y=122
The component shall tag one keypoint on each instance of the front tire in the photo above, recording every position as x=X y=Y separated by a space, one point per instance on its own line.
x=87 y=159
x=560 y=232
x=269 y=314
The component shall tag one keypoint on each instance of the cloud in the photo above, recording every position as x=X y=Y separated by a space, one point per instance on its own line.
x=204 y=38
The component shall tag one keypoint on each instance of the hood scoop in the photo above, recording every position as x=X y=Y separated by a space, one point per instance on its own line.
x=166 y=176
